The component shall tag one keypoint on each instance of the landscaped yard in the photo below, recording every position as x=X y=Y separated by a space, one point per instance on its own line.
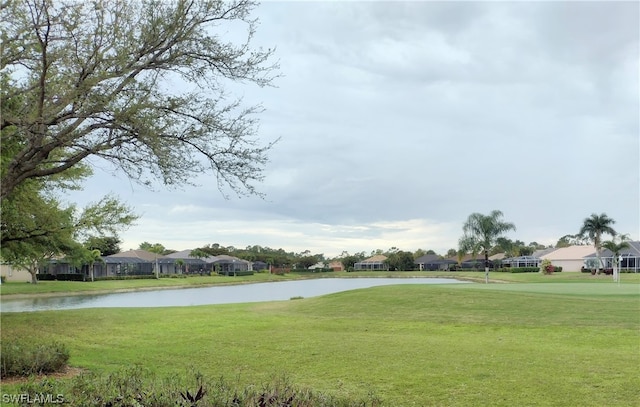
x=576 y=342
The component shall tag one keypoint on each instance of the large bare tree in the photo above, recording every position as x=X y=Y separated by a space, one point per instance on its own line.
x=138 y=83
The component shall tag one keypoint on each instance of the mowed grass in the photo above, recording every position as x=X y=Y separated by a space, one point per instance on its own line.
x=456 y=345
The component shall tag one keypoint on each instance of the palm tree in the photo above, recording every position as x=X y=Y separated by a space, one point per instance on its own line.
x=179 y=263
x=594 y=227
x=93 y=256
x=616 y=248
x=483 y=230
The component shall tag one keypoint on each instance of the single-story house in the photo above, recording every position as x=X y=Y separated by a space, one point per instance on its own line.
x=372 y=263
x=630 y=258
x=12 y=273
x=229 y=264
x=433 y=262
x=569 y=258
x=260 y=265
x=336 y=265
x=130 y=262
x=183 y=262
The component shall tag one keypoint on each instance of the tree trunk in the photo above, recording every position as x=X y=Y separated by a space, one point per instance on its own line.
x=34 y=279
x=486 y=267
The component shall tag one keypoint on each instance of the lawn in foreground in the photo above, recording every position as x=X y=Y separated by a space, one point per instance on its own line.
x=409 y=344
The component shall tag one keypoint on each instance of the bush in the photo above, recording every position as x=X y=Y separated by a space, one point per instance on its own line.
x=127 y=277
x=3 y=279
x=138 y=387
x=524 y=269
x=61 y=277
x=236 y=273
x=26 y=359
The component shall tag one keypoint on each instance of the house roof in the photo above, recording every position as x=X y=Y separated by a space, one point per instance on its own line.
x=185 y=255
x=542 y=252
x=427 y=259
x=632 y=251
x=378 y=258
x=469 y=257
x=135 y=254
x=576 y=252
x=223 y=258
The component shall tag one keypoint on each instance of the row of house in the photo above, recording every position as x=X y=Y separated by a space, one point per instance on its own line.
x=139 y=262
x=572 y=258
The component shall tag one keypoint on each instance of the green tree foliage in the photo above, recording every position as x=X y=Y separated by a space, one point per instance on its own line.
x=307 y=261
x=616 y=246
x=348 y=260
x=88 y=79
x=107 y=245
x=594 y=227
x=156 y=248
x=400 y=260
x=481 y=232
x=36 y=227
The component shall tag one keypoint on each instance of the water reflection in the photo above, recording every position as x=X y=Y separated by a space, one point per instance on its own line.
x=258 y=292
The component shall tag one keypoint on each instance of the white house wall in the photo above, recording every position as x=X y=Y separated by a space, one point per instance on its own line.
x=14 y=274
x=568 y=265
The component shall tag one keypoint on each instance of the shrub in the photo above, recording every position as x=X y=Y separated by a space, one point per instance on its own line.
x=173 y=276
x=3 y=279
x=546 y=267
x=236 y=273
x=25 y=359
x=138 y=387
x=128 y=277
x=524 y=269
x=61 y=277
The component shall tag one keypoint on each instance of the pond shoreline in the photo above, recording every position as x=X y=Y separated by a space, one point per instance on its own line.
x=216 y=284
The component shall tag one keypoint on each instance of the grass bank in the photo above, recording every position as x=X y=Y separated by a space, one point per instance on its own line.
x=502 y=344
x=48 y=288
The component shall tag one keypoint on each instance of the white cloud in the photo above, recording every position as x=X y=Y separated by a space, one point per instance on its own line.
x=399 y=119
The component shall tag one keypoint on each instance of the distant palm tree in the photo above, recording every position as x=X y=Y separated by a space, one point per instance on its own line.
x=616 y=248
x=93 y=257
x=179 y=263
x=594 y=227
x=483 y=230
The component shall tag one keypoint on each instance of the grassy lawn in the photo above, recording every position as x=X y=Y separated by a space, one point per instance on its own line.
x=533 y=343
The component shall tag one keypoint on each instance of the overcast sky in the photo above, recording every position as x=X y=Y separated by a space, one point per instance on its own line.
x=399 y=119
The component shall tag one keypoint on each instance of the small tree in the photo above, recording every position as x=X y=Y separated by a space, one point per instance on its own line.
x=179 y=264
x=481 y=232
x=93 y=257
x=616 y=247
x=593 y=228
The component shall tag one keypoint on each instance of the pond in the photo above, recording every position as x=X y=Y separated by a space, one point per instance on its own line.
x=258 y=292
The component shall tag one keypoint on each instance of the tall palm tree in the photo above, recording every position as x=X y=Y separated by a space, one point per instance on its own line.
x=594 y=227
x=483 y=230
x=616 y=248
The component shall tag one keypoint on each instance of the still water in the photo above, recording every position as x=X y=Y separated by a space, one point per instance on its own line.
x=258 y=292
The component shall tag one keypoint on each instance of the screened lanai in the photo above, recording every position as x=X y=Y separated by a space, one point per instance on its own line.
x=372 y=263
x=521 y=261
x=630 y=257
